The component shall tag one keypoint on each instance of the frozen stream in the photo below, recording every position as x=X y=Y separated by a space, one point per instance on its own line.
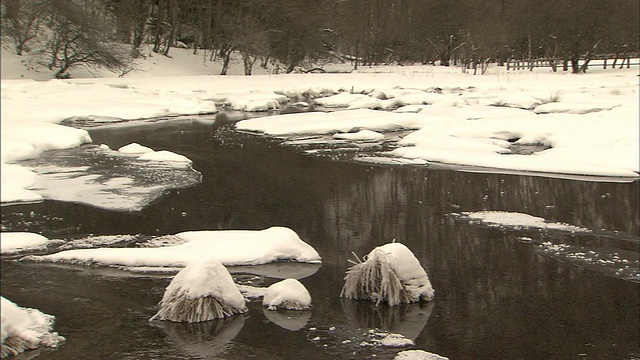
x=503 y=291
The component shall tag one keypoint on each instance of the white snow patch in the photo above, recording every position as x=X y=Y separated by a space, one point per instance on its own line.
x=362 y=135
x=12 y=242
x=326 y=123
x=287 y=294
x=519 y=220
x=30 y=327
x=135 y=148
x=231 y=247
x=418 y=355
x=164 y=155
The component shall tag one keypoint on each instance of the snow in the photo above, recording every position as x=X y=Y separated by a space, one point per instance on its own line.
x=12 y=242
x=230 y=247
x=418 y=355
x=134 y=148
x=588 y=123
x=362 y=135
x=202 y=278
x=519 y=220
x=409 y=271
x=164 y=155
x=326 y=123
x=29 y=325
x=287 y=294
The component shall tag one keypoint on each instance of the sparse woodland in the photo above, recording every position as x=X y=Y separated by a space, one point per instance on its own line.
x=300 y=35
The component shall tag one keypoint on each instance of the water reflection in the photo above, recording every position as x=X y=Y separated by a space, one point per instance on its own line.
x=208 y=340
x=407 y=319
x=288 y=319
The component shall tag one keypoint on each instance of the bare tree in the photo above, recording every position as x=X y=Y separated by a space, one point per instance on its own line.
x=21 y=20
x=77 y=38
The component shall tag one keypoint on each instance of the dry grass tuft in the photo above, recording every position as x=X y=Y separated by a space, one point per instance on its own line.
x=15 y=345
x=180 y=308
x=376 y=280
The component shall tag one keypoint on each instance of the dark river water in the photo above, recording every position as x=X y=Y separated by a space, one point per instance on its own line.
x=498 y=296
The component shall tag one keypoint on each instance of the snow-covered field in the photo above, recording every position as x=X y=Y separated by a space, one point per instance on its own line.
x=584 y=124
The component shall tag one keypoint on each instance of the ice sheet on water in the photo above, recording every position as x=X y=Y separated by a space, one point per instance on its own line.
x=610 y=261
x=104 y=178
x=604 y=251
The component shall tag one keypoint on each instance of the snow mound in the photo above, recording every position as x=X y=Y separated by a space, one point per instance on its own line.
x=287 y=294
x=135 y=148
x=16 y=182
x=14 y=242
x=28 y=139
x=202 y=291
x=230 y=247
x=418 y=355
x=25 y=329
x=146 y=153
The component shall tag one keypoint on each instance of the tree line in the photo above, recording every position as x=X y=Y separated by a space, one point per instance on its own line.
x=293 y=33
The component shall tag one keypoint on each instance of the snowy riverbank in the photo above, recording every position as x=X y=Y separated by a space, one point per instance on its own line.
x=585 y=124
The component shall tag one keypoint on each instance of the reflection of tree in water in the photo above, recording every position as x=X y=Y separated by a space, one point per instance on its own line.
x=208 y=339
x=412 y=205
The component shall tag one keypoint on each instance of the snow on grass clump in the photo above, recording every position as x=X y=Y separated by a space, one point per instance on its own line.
x=230 y=247
x=202 y=291
x=25 y=329
x=288 y=294
x=390 y=274
x=13 y=242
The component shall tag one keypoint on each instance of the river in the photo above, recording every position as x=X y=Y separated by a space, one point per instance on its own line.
x=499 y=294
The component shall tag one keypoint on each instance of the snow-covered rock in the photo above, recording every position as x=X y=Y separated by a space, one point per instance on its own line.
x=287 y=294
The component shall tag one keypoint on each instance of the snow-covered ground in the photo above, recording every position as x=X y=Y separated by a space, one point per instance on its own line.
x=576 y=124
